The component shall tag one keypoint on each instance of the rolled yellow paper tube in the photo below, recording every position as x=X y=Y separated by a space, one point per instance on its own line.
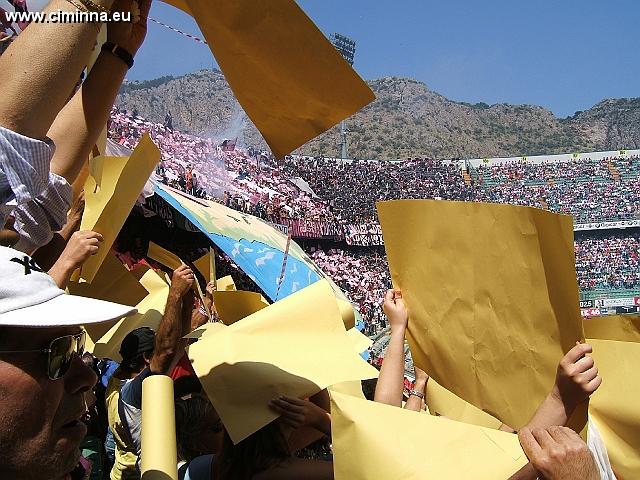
x=159 y=457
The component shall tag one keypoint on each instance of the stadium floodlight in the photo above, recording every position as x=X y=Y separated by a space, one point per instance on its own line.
x=345 y=45
x=347 y=48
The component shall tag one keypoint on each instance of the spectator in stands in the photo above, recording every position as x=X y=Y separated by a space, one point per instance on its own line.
x=267 y=454
x=43 y=381
x=199 y=434
x=147 y=354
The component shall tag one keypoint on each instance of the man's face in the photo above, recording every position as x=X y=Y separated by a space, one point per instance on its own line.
x=41 y=429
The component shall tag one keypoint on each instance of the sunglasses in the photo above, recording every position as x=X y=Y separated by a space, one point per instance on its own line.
x=60 y=354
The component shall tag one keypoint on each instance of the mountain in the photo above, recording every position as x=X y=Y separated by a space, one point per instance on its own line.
x=406 y=120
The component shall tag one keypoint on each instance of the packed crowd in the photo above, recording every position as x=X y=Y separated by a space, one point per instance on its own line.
x=608 y=261
x=68 y=415
x=351 y=188
x=585 y=189
x=363 y=275
x=345 y=192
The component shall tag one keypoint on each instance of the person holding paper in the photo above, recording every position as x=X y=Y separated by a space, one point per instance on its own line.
x=267 y=454
x=558 y=453
x=168 y=348
x=390 y=386
x=577 y=378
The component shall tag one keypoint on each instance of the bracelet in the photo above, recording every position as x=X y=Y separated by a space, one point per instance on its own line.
x=119 y=52
x=79 y=5
x=203 y=312
x=94 y=7
x=83 y=8
x=416 y=393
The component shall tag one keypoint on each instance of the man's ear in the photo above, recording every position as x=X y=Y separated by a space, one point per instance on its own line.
x=147 y=357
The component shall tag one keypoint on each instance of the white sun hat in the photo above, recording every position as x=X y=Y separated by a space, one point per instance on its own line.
x=30 y=298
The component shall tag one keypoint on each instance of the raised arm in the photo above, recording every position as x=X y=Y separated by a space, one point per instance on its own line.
x=44 y=63
x=576 y=379
x=77 y=128
x=415 y=401
x=391 y=380
x=175 y=322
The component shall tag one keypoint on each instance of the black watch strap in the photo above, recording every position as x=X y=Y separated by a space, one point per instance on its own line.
x=119 y=52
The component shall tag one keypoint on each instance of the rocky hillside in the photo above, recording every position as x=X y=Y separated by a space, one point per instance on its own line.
x=406 y=120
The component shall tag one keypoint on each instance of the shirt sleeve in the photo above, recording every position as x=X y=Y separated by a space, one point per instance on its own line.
x=37 y=219
x=24 y=169
x=599 y=450
x=131 y=392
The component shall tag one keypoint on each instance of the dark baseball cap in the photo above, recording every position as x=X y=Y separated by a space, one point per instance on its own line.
x=139 y=341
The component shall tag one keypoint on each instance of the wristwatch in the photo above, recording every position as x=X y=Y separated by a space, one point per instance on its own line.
x=119 y=52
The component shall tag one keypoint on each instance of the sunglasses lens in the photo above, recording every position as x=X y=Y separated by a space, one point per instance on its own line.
x=63 y=351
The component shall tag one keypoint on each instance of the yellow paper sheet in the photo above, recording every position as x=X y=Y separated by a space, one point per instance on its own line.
x=159 y=458
x=492 y=297
x=206 y=265
x=225 y=284
x=347 y=313
x=150 y=311
x=164 y=256
x=112 y=283
x=297 y=346
x=360 y=341
x=614 y=406
x=441 y=402
x=292 y=83
x=623 y=328
x=236 y=305
x=352 y=388
x=373 y=441
x=108 y=204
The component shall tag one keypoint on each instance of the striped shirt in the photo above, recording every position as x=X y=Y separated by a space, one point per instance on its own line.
x=37 y=198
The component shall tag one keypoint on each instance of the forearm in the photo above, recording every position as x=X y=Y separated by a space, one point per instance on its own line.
x=61 y=272
x=391 y=379
x=168 y=336
x=414 y=402
x=552 y=411
x=47 y=255
x=79 y=124
x=45 y=62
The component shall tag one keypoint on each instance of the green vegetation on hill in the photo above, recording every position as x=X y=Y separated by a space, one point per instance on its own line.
x=406 y=120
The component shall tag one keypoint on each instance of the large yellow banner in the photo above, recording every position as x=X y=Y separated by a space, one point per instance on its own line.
x=492 y=297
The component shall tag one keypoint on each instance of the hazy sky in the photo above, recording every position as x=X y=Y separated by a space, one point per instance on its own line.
x=564 y=55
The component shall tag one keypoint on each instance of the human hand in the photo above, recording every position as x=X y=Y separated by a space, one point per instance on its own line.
x=395 y=309
x=77 y=209
x=182 y=280
x=558 y=453
x=80 y=247
x=577 y=376
x=8 y=235
x=130 y=35
x=296 y=412
x=210 y=288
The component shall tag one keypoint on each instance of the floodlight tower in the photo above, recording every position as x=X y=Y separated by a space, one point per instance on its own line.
x=347 y=48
